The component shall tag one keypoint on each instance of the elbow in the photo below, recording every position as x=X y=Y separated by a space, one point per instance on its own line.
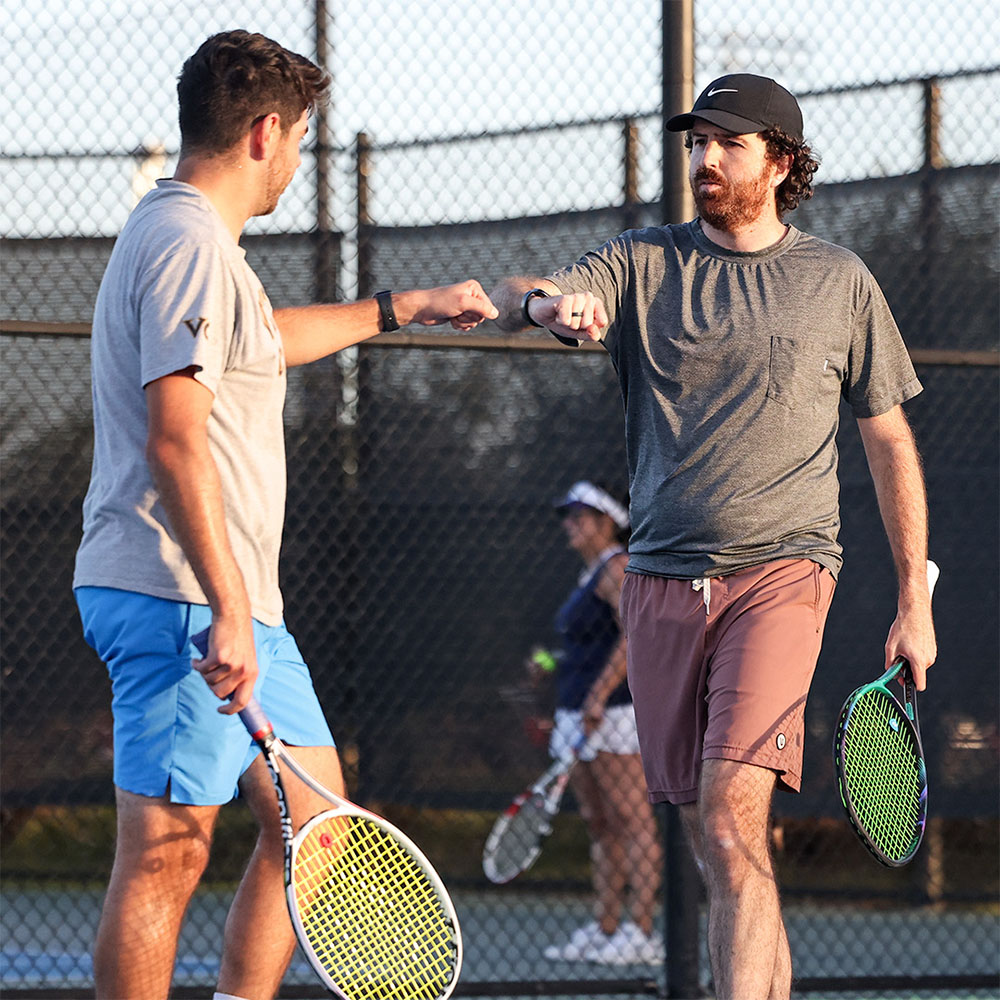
x=157 y=459
x=167 y=457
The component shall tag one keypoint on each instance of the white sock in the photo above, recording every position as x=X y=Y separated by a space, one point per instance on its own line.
x=226 y=996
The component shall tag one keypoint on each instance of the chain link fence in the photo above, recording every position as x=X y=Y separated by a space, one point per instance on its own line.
x=422 y=558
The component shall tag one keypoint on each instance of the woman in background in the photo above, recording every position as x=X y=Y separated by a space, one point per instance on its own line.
x=592 y=698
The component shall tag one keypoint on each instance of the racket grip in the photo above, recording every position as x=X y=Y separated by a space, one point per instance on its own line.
x=901 y=668
x=252 y=716
x=256 y=721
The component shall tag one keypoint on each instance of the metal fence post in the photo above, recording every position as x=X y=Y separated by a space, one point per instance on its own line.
x=326 y=275
x=682 y=912
x=362 y=169
x=677 y=88
x=933 y=160
x=630 y=179
x=681 y=889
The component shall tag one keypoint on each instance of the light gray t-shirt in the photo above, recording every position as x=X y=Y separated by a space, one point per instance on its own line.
x=732 y=367
x=178 y=292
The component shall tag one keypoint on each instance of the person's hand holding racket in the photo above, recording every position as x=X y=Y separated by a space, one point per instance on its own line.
x=879 y=761
x=911 y=636
x=577 y=316
x=229 y=664
x=592 y=712
x=370 y=913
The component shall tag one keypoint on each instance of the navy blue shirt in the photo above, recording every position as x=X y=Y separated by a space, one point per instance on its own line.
x=589 y=632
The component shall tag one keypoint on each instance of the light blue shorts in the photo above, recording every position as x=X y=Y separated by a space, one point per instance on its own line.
x=169 y=735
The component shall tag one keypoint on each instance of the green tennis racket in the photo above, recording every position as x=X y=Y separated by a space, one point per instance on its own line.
x=879 y=759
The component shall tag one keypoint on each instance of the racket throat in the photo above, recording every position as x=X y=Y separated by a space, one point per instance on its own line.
x=284 y=812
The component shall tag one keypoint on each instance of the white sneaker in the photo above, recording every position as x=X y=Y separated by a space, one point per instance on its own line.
x=650 y=948
x=577 y=946
x=627 y=946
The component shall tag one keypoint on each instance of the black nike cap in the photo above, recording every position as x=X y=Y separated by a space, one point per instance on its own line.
x=742 y=103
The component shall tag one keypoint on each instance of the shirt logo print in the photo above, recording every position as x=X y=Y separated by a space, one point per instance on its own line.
x=195 y=326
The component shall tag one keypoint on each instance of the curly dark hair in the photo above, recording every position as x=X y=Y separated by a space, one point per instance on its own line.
x=237 y=77
x=797 y=186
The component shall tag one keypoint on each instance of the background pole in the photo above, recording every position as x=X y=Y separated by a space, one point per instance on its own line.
x=682 y=889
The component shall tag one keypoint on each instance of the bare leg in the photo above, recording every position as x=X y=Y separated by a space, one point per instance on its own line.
x=606 y=853
x=781 y=981
x=259 y=940
x=728 y=829
x=160 y=855
x=633 y=825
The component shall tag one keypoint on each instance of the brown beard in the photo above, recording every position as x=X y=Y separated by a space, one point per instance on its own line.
x=736 y=205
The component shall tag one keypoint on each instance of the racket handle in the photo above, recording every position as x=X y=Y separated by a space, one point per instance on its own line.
x=252 y=716
x=902 y=667
x=257 y=723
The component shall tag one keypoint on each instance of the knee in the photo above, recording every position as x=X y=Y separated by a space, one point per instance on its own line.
x=190 y=864
x=176 y=865
x=727 y=854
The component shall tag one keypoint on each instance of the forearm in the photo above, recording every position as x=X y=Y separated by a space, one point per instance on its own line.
x=902 y=500
x=187 y=479
x=609 y=590
x=309 y=333
x=509 y=294
x=613 y=674
x=312 y=332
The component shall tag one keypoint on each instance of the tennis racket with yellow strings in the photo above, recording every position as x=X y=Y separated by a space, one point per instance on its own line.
x=370 y=912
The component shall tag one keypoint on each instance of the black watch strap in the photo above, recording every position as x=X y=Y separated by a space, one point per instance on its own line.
x=534 y=293
x=386 y=312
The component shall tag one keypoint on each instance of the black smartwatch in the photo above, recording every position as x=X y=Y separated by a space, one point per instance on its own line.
x=538 y=293
x=388 y=314
x=535 y=293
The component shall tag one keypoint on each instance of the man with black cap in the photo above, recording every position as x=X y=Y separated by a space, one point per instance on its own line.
x=735 y=336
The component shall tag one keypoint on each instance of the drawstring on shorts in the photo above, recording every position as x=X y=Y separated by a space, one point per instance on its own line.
x=704 y=584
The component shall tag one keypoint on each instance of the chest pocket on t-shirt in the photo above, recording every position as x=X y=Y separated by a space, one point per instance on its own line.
x=801 y=373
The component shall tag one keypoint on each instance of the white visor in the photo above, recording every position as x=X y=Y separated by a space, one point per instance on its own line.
x=590 y=495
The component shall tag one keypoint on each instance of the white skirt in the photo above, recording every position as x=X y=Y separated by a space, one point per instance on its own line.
x=615 y=734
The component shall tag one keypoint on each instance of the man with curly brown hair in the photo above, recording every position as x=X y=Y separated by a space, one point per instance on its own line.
x=735 y=337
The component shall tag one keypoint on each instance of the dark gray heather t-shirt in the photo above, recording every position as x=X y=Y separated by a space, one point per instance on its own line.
x=732 y=366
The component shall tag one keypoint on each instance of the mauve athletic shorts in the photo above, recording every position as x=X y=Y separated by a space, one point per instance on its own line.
x=723 y=675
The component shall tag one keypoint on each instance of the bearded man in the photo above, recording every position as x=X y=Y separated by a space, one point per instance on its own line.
x=734 y=337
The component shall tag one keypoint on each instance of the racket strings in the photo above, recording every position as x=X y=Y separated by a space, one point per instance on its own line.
x=883 y=771
x=373 y=918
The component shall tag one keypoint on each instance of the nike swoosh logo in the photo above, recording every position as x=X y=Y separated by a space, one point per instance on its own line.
x=722 y=90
